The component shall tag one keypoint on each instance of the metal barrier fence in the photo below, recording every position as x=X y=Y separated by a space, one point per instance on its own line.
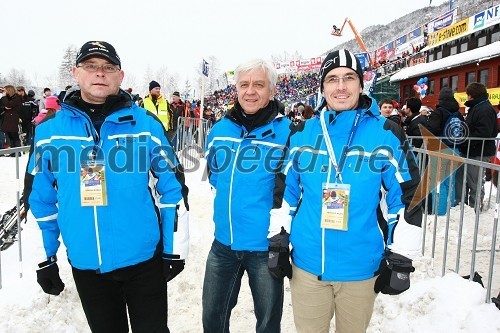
x=4 y=236
x=469 y=234
x=191 y=139
x=464 y=223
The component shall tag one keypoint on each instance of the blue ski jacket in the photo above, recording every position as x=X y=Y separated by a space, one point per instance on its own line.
x=243 y=167
x=140 y=168
x=380 y=169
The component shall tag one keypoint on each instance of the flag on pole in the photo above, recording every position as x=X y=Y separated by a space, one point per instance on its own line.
x=452 y=4
x=204 y=68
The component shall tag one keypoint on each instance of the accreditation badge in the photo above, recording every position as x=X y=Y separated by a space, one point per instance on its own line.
x=93 y=184
x=335 y=206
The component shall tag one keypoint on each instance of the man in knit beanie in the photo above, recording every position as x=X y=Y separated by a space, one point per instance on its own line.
x=331 y=246
x=152 y=85
x=157 y=104
x=354 y=75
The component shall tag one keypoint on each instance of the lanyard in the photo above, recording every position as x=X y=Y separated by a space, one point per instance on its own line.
x=329 y=145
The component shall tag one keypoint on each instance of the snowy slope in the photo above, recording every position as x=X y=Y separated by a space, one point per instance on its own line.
x=432 y=305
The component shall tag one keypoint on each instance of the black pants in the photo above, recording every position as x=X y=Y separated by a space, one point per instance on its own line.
x=140 y=288
x=14 y=139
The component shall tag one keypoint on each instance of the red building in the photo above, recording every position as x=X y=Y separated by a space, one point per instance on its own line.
x=473 y=58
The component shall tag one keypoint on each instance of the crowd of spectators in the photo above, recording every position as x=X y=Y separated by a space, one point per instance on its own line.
x=290 y=89
x=406 y=59
x=293 y=87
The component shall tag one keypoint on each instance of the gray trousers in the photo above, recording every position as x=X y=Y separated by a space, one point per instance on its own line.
x=473 y=182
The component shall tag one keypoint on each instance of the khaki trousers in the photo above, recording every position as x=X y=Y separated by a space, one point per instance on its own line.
x=315 y=302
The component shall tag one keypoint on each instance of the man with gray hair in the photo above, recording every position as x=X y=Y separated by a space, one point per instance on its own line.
x=243 y=153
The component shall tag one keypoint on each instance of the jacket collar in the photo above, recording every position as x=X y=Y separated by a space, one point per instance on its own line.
x=119 y=108
x=473 y=102
x=263 y=117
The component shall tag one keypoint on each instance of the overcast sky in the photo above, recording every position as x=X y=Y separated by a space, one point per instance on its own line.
x=178 y=34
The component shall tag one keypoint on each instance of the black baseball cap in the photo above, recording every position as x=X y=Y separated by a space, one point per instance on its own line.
x=99 y=49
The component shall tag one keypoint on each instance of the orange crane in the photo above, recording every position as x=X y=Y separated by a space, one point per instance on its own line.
x=338 y=32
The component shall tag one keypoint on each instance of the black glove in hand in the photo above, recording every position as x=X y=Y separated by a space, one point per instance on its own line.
x=172 y=268
x=395 y=277
x=279 y=254
x=50 y=281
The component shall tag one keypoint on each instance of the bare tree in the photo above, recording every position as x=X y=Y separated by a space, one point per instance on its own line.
x=215 y=79
x=167 y=81
x=148 y=77
x=129 y=81
x=280 y=57
x=51 y=81
x=17 y=77
x=186 y=92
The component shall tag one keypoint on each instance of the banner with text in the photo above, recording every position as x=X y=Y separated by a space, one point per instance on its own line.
x=448 y=34
x=442 y=21
x=493 y=96
x=486 y=18
x=301 y=65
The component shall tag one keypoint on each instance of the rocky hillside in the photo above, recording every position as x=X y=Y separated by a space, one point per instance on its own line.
x=377 y=35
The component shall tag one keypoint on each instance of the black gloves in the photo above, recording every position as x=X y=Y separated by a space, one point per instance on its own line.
x=279 y=253
x=48 y=277
x=172 y=268
x=395 y=277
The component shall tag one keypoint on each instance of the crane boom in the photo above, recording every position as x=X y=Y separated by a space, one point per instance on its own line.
x=338 y=32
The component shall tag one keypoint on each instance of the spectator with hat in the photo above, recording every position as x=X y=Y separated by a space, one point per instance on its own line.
x=155 y=103
x=345 y=254
x=124 y=232
x=51 y=106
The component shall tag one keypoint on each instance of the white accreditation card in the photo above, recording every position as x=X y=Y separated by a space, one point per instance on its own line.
x=93 y=184
x=335 y=206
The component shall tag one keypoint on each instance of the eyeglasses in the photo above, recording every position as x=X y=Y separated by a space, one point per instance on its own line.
x=107 y=68
x=350 y=78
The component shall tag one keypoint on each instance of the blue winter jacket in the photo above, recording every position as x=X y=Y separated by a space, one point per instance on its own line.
x=135 y=150
x=243 y=167
x=378 y=161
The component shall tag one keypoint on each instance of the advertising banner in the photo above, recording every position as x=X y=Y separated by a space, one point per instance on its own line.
x=364 y=60
x=493 y=96
x=416 y=33
x=369 y=81
x=486 y=18
x=442 y=21
x=300 y=65
x=447 y=34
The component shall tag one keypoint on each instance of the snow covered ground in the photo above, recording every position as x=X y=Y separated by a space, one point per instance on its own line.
x=434 y=304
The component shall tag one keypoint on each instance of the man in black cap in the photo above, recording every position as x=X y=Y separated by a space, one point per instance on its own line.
x=344 y=254
x=122 y=244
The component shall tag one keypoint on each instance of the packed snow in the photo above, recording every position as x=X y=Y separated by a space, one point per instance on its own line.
x=433 y=304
